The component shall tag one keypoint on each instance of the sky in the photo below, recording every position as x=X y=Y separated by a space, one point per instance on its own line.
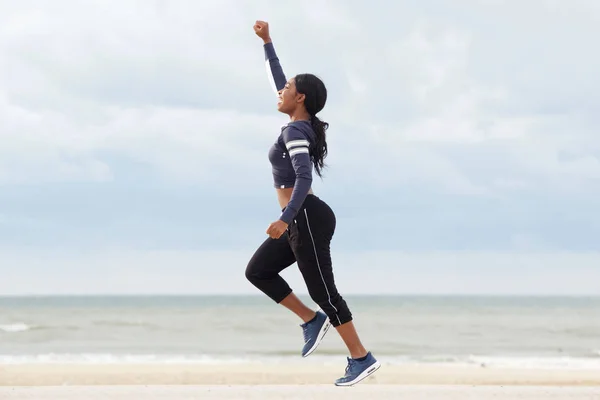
x=464 y=155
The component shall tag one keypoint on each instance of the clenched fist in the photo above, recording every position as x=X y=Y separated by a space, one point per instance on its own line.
x=276 y=229
x=261 y=28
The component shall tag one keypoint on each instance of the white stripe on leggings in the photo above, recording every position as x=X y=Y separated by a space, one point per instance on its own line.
x=319 y=266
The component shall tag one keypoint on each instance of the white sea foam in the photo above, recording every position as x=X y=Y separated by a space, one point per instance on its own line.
x=15 y=327
x=97 y=358
x=478 y=361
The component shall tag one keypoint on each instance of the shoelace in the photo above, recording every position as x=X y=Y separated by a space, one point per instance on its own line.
x=305 y=330
x=349 y=366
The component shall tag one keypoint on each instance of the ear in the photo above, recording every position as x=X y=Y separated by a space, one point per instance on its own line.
x=300 y=97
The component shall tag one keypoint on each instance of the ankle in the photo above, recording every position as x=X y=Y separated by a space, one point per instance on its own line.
x=308 y=316
x=359 y=356
x=357 y=353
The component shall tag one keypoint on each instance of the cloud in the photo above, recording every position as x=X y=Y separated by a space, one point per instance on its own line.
x=147 y=125
x=431 y=81
x=182 y=144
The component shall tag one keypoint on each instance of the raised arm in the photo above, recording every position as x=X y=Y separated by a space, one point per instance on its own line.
x=275 y=72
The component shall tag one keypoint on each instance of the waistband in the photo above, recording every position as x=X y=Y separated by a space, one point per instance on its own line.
x=309 y=197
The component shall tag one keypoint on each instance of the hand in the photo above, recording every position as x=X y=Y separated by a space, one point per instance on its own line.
x=276 y=229
x=261 y=28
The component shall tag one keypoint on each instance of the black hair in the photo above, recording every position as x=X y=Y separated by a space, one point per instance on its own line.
x=315 y=94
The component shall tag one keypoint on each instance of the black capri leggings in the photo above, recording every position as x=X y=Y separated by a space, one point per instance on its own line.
x=306 y=241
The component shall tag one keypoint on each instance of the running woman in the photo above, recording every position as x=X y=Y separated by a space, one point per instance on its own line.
x=304 y=230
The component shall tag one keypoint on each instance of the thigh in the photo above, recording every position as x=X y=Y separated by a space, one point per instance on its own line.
x=272 y=257
x=311 y=245
x=311 y=232
x=316 y=222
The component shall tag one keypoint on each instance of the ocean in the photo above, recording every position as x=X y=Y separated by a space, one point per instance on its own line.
x=535 y=332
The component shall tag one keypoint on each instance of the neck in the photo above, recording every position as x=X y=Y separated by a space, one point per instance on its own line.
x=300 y=115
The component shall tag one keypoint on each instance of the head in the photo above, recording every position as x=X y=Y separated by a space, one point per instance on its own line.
x=306 y=95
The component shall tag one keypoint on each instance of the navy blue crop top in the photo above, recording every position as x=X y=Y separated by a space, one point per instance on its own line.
x=290 y=155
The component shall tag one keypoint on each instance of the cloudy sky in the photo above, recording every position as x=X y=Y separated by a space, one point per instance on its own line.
x=464 y=147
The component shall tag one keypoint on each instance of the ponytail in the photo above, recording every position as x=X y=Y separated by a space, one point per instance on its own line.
x=320 y=148
x=315 y=97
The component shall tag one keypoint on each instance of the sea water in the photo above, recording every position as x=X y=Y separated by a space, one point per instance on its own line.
x=531 y=332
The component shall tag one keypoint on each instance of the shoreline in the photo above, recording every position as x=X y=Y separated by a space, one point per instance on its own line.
x=283 y=374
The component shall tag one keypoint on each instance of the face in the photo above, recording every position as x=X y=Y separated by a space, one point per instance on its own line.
x=289 y=98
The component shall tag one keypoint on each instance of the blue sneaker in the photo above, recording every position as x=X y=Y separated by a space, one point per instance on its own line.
x=356 y=370
x=314 y=331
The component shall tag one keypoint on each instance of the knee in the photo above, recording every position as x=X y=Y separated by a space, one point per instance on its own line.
x=251 y=274
x=256 y=273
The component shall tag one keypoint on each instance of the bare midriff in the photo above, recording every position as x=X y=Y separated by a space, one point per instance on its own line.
x=284 y=196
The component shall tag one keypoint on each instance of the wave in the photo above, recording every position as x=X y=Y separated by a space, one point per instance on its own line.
x=126 y=323
x=440 y=360
x=104 y=358
x=20 y=327
x=15 y=327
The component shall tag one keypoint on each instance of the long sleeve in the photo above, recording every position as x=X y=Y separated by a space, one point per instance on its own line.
x=297 y=146
x=275 y=72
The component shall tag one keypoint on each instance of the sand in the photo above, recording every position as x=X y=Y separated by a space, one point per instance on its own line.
x=289 y=381
x=298 y=392
x=281 y=374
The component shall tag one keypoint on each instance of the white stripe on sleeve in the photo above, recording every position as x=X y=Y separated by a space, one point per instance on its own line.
x=295 y=143
x=298 y=150
x=271 y=77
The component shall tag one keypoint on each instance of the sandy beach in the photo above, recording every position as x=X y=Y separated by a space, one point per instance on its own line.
x=288 y=381
x=282 y=374
x=300 y=392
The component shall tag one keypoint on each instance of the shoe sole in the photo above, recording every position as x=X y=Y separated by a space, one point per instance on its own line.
x=320 y=337
x=366 y=373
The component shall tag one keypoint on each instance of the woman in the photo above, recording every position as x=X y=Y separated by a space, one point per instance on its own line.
x=303 y=232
